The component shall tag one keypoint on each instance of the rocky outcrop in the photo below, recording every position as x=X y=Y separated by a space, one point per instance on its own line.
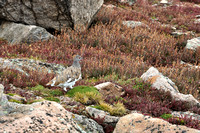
x=43 y=116
x=30 y=64
x=193 y=44
x=51 y=14
x=158 y=81
x=20 y=33
x=138 y=123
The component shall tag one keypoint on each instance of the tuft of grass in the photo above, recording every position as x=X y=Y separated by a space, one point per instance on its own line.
x=82 y=98
x=117 y=109
x=81 y=89
x=88 y=97
x=52 y=99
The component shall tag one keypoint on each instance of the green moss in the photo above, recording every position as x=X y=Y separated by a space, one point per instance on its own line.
x=45 y=92
x=16 y=101
x=81 y=89
x=38 y=88
x=166 y=116
x=11 y=94
x=52 y=99
x=56 y=92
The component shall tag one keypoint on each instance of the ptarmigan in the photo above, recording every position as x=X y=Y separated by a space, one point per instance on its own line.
x=68 y=77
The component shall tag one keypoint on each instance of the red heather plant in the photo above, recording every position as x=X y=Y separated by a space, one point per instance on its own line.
x=186 y=121
x=10 y=76
x=193 y=1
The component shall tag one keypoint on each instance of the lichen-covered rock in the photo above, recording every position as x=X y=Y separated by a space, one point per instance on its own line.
x=158 y=81
x=51 y=14
x=20 y=33
x=138 y=123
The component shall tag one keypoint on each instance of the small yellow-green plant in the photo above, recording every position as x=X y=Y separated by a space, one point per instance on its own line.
x=82 y=98
x=88 y=97
x=117 y=109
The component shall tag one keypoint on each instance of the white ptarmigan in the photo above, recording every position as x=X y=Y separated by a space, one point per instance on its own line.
x=68 y=77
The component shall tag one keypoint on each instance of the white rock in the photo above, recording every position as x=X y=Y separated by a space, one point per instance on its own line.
x=133 y=24
x=158 y=81
x=164 y=2
x=193 y=43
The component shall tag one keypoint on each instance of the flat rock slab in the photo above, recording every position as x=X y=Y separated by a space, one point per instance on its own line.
x=20 y=33
x=51 y=14
x=138 y=123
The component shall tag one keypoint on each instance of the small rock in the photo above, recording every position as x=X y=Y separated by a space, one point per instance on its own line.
x=138 y=123
x=133 y=24
x=192 y=66
x=110 y=89
x=130 y=2
x=180 y=33
x=193 y=44
x=103 y=115
x=164 y=2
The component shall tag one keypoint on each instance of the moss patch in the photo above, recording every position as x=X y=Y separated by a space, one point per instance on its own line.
x=81 y=89
x=16 y=101
x=52 y=99
x=45 y=92
x=166 y=116
x=11 y=94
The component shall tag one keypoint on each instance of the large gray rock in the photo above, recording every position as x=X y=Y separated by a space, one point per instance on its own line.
x=51 y=14
x=160 y=82
x=20 y=33
x=193 y=44
x=138 y=123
